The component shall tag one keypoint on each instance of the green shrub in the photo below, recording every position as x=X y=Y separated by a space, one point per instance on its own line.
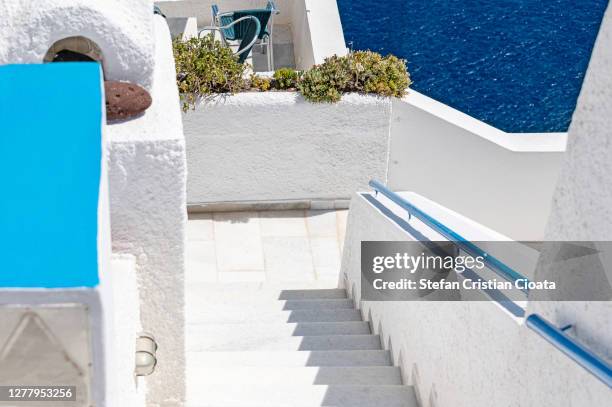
x=326 y=82
x=260 y=83
x=204 y=66
x=373 y=73
x=285 y=78
x=360 y=71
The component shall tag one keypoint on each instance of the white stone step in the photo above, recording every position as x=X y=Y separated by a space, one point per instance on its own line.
x=282 y=329
x=212 y=342
x=367 y=376
x=290 y=358
x=273 y=304
x=221 y=315
x=249 y=292
x=238 y=394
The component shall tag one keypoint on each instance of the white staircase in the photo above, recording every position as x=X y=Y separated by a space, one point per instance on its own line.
x=256 y=344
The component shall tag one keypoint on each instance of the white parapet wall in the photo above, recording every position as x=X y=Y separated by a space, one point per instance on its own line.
x=502 y=180
x=460 y=354
x=317 y=32
x=277 y=146
x=147 y=172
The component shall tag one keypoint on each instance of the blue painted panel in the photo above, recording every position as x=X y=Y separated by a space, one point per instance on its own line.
x=50 y=158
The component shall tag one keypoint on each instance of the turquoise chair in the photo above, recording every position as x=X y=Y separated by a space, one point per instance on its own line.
x=238 y=26
x=246 y=31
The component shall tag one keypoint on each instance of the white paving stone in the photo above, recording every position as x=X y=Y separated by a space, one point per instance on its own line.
x=321 y=223
x=272 y=331
x=374 y=375
x=288 y=259
x=283 y=223
x=291 y=358
x=238 y=241
x=341 y=218
x=200 y=227
x=234 y=393
x=211 y=341
x=241 y=276
x=326 y=256
x=201 y=261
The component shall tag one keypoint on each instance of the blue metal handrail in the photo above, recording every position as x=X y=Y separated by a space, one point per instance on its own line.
x=581 y=355
x=493 y=263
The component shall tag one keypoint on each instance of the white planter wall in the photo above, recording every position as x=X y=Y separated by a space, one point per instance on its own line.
x=504 y=181
x=276 y=146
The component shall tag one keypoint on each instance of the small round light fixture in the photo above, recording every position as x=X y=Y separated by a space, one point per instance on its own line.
x=146 y=358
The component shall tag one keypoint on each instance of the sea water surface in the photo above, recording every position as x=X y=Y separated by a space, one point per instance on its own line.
x=515 y=64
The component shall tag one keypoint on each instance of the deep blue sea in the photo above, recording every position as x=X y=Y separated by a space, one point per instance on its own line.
x=515 y=64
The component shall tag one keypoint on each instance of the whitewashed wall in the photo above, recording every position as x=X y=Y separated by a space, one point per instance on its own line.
x=582 y=204
x=121 y=306
x=504 y=181
x=122 y=29
x=147 y=172
x=322 y=35
x=465 y=354
x=277 y=146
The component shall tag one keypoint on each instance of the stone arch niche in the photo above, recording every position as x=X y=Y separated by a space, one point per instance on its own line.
x=75 y=49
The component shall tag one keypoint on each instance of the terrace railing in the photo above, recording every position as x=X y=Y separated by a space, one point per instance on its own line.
x=497 y=266
x=557 y=337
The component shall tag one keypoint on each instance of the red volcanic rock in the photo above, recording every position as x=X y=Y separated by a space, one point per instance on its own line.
x=125 y=100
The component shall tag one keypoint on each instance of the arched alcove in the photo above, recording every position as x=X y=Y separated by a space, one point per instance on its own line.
x=74 y=49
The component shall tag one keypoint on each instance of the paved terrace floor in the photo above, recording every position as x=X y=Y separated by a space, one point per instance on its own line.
x=267 y=246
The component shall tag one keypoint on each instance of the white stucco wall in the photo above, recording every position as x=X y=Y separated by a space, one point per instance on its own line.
x=582 y=201
x=326 y=34
x=502 y=180
x=121 y=310
x=122 y=29
x=302 y=37
x=460 y=354
x=277 y=146
x=148 y=213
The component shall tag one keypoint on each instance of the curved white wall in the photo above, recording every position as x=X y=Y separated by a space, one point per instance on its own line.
x=122 y=28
